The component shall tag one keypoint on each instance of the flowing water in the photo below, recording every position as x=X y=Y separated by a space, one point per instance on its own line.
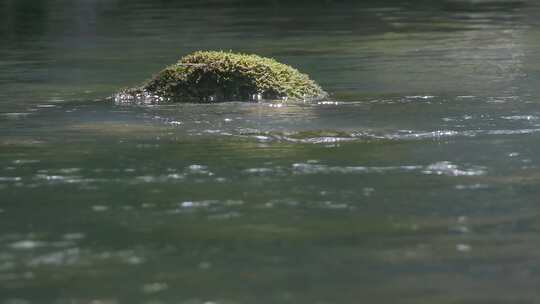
x=417 y=182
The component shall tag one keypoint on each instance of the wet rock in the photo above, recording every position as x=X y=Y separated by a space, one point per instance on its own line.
x=216 y=76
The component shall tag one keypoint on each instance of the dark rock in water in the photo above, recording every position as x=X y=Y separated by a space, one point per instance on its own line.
x=210 y=76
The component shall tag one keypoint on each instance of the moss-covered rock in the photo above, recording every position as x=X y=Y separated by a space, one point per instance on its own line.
x=212 y=76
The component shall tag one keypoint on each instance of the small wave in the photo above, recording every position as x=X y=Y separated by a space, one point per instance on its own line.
x=10 y=179
x=420 y=97
x=450 y=169
x=15 y=115
x=439 y=168
x=306 y=168
x=313 y=137
x=520 y=117
x=26 y=244
x=64 y=179
x=25 y=161
x=260 y=171
x=511 y=132
x=325 y=136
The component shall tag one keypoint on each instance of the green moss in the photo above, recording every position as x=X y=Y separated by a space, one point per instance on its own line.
x=212 y=76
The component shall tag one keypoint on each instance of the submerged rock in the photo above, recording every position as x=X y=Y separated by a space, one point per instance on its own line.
x=216 y=76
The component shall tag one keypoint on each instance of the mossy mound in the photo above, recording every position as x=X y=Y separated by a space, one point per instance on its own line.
x=211 y=76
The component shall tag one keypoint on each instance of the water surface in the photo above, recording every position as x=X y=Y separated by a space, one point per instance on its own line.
x=416 y=183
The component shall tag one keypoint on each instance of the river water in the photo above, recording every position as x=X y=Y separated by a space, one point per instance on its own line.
x=417 y=182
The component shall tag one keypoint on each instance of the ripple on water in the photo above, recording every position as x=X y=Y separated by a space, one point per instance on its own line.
x=64 y=179
x=420 y=97
x=16 y=115
x=25 y=161
x=155 y=287
x=438 y=168
x=67 y=257
x=100 y=208
x=216 y=209
x=472 y=187
x=310 y=168
x=25 y=253
x=192 y=170
x=521 y=117
x=328 y=136
x=160 y=178
x=198 y=169
x=259 y=171
x=10 y=179
x=16 y=301
x=73 y=236
x=26 y=245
